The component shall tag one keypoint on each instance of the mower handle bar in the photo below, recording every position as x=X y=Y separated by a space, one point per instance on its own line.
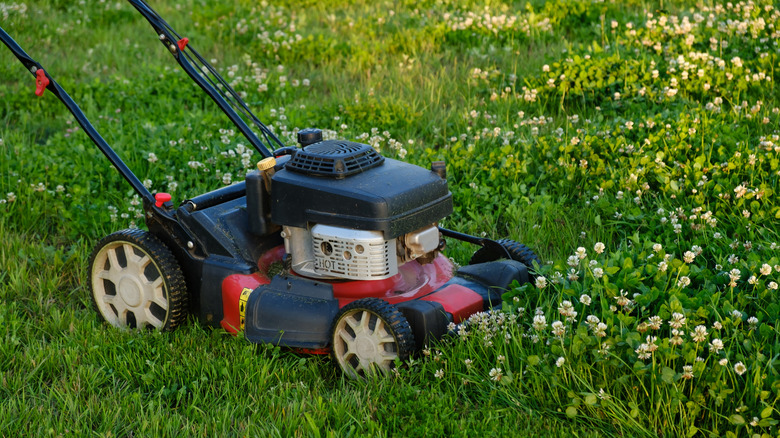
x=228 y=101
x=33 y=67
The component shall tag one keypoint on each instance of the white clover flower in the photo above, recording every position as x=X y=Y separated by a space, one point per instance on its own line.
x=766 y=269
x=598 y=273
x=723 y=362
x=585 y=299
x=540 y=323
x=600 y=330
x=501 y=358
x=663 y=266
x=736 y=314
x=684 y=281
x=567 y=309
x=688 y=257
x=599 y=247
x=699 y=333
x=643 y=352
x=581 y=253
x=622 y=299
x=687 y=372
x=558 y=329
x=715 y=346
x=752 y=321
x=468 y=363
x=495 y=374
x=655 y=322
x=676 y=338
x=717 y=325
x=740 y=368
x=439 y=373
x=541 y=282
x=677 y=321
x=559 y=363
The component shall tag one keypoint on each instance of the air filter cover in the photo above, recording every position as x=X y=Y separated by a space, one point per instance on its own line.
x=334 y=159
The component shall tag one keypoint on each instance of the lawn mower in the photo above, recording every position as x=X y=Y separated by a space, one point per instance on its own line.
x=328 y=247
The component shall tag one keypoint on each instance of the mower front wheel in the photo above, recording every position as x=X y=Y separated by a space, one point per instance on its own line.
x=517 y=251
x=368 y=335
x=136 y=282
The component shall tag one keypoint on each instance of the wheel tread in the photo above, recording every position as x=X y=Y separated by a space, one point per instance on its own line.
x=393 y=317
x=169 y=268
x=517 y=251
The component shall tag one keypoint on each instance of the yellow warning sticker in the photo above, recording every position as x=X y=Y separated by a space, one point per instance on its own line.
x=242 y=307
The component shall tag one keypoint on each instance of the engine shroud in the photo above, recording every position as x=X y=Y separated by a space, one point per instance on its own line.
x=388 y=196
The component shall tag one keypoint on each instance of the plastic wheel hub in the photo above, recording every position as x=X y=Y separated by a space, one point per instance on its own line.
x=130 y=291
x=366 y=348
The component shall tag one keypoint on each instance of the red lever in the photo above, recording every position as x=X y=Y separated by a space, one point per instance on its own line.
x=182 y=43
x=161 y=198
x=41 y=82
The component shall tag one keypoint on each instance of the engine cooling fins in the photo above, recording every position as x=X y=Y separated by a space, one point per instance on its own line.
x=335 y=159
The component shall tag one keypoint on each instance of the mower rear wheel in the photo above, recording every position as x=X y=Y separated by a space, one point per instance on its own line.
x=136 y=282
x=368 y=336
x=517 y=251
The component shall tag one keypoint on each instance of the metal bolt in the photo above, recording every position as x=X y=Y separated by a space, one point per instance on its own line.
x=190 y=245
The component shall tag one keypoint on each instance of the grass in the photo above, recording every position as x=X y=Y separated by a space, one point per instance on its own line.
x=633 y=145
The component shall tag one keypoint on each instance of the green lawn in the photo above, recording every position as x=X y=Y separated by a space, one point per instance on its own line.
x=634 y=145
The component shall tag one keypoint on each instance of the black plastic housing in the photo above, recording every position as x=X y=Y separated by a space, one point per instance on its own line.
x=428 y=320
x=257 y=205
x=291 y=311
x=395 y=198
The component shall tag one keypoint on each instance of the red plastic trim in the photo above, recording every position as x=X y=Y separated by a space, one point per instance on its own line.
x=41 y=82
x=232 y=287
x=182 y=43
x=458 y=300
x=161 y=198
